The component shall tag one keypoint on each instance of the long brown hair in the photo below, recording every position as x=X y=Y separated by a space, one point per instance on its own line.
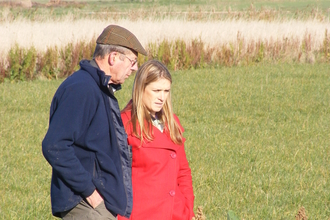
x=149 y=72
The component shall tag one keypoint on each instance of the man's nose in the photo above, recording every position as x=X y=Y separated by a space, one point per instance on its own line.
x=135 y=67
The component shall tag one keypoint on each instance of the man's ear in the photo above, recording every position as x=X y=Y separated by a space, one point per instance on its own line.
x=112 y=58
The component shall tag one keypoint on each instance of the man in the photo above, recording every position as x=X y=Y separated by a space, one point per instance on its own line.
x=86 y=143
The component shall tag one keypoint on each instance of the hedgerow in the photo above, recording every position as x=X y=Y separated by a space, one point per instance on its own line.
x=27 y=64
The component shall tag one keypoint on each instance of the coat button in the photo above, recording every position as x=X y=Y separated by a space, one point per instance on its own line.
x=172 y=193
x=173 y=155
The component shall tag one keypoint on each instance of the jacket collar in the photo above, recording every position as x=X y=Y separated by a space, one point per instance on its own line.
x=98 y=75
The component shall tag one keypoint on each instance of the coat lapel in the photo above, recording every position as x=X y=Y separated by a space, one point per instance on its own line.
x=161 y=140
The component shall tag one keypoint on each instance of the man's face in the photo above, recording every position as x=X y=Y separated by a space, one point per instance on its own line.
x=123 y=67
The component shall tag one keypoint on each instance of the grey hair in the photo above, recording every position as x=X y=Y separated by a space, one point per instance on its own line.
x=101 y=50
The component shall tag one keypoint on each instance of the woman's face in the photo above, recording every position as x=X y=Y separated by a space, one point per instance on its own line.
x=155 y=95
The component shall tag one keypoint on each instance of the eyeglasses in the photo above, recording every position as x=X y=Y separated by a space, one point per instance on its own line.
x=133 y=62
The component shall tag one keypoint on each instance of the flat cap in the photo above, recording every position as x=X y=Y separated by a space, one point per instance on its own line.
x=116 y=35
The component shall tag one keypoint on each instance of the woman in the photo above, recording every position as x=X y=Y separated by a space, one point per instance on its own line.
x=161 y=177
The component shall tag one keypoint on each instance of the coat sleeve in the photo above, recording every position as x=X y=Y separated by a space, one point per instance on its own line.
x=185 y=178
x=71 y=112
x=125 y=117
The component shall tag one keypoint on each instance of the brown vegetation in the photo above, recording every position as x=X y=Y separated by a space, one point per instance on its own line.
x=27 y=64
x=199 y=214
x=301 y=215
x=52 y=48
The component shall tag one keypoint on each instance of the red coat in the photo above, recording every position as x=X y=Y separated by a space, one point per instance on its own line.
x=161 y=178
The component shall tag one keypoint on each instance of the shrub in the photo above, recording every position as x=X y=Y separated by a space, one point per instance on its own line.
x=3 y=70
x=29 y=63
x=67 y=66
x=47 y=64
x=21 y=63
x=326 y=46
x=71 y=54
x=14 y=66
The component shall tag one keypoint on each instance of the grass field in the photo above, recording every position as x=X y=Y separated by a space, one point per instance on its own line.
x=257 y=136
x=257 y=141
x=88 y=7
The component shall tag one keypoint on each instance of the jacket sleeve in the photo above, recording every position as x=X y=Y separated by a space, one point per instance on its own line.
x=71 y=113
x=185 y=178
x=125 y=118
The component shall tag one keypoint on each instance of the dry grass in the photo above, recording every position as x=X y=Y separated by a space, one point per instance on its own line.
x=43 y=35
x=53 y=48
x=301 y=215
x=199 y=215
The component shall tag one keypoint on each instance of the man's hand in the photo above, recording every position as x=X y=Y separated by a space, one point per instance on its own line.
x=95 y=199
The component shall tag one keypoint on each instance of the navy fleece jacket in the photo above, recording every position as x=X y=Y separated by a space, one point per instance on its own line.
x=86 y=144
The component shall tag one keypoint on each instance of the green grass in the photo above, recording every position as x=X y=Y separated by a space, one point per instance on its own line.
x=24 y=174
x=257 y=141
x=183 y=4
x=133 y=9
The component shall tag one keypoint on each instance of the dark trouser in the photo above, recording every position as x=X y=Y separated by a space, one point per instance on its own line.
x=84 y=211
